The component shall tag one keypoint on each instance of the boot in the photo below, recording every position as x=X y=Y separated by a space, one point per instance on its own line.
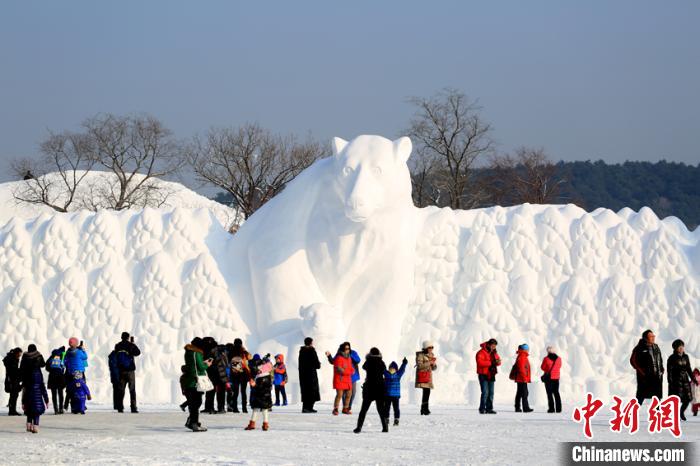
x=29 y=426
x=357 y=430
x=335 y=411
x=35 y=429
x=396 y=422
x=187 y=423
x=265 y=426
x=385 y=424
x=347 y=411
x=198 y=428
x=251 y=425
x=527 y=410
x=277 y=403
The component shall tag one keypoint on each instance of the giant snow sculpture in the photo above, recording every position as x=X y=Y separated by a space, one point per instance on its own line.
x=342 y=254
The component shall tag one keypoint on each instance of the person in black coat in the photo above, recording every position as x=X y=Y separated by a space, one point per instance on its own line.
x=34 y=395
x=308 y=378
x=680 y=375
x=125 y=352
x=648 y=363
x=373 y=389
x=57 y=378
x=13 y=381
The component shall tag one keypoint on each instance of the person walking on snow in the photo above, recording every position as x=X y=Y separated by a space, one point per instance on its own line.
x=57 y=378
x=280 y=380
x=308 y=377
x=521 y=375
x=487 y=362
x=126 y=351
x=13 y=380
x=392 y=389
x=35 y=399
x=261 y=392
x=195 y=366
x=648 y=364
x=240 y=375
x=425 y=365
x=679 y=376
x=373 y=390
x=551 y=366
x=342 y=377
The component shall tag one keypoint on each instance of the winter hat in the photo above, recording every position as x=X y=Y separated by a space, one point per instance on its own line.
x=677 y=343
x=280 y=357
x=198 y=342
x=31 y=348
x=492 y=341
x=256 y=357
x=375 y=352
x=524 y=347
x=550 y=350
x=125 y=336
x=394 y=366
x=238 y=342
x=308 y=341
x=72 y=341
x=427 y=344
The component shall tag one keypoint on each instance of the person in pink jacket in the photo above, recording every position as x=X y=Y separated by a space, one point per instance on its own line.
x=551 y=366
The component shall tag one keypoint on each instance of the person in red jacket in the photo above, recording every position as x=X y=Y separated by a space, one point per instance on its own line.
x=487 y=361
x=522 y=378
x=551 y=366
x=342 y=377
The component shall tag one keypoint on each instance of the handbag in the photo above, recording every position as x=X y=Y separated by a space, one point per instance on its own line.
x=203 y=382
x=423 y=377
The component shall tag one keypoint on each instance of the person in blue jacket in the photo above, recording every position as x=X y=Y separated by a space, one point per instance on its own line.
x=79 y=392
x=392 y=385
x=114 y=378
x=75 y=360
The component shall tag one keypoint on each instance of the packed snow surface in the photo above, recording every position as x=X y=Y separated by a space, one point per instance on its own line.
x=450 y=435
x=342 y=254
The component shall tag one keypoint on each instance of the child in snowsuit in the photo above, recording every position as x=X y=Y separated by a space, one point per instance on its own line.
x=392 y=386
x=695 y=388
x=280 y=380
x=57 y=378
x=261 y=392
x=79 y=392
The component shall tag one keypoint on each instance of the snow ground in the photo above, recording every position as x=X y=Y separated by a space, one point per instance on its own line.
x=451 y=435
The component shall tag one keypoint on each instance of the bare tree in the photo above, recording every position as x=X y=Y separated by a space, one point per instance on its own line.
x=250 y=163
x=136 y=150
x=53 y=181
x=527 y=176
x=449 y=130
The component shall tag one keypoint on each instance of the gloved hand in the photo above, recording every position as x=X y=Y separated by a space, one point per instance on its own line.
x=284 y=382
x=89 y=397
x=404 y=360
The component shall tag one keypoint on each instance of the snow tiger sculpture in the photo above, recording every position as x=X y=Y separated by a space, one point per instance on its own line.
x=340 y=235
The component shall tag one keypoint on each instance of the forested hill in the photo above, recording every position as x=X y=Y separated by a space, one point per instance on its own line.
x=669 y=188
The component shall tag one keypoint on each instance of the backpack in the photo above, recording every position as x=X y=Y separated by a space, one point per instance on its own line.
x=513 y=372
x=236 y=365
x=124 y=361
x=55 y=363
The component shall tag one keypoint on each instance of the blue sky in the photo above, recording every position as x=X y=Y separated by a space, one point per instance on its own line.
x=585 y=80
